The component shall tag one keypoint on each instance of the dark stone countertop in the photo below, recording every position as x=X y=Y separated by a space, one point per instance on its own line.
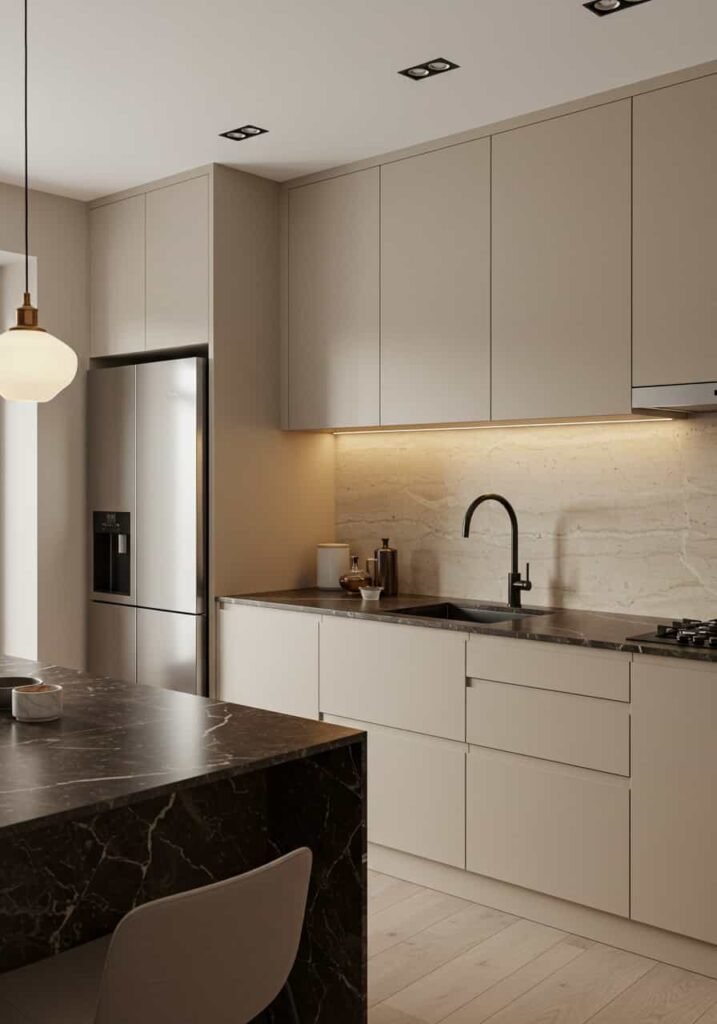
x=118 y=742
x=602 y=630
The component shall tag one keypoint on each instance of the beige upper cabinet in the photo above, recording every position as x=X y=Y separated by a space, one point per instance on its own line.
x=333 y=308
x=561 y=266
x=675 y=253
x=435 y=287
x=674 y=769
x=178 y=265
x=117 y=271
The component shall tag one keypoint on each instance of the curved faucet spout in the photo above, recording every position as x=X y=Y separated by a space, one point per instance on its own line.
x=516 y=583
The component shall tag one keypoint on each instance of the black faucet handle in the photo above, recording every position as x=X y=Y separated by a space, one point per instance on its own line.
x=524 y=584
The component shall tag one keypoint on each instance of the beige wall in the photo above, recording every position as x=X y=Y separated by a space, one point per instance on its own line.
x=613 y=517
x=58 y=241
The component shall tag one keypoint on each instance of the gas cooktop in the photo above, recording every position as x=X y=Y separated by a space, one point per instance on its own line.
x=683 y=633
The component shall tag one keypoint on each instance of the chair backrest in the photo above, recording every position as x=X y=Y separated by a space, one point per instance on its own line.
x=221 y=953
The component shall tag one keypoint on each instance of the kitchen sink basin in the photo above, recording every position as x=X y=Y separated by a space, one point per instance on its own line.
x=467 y=613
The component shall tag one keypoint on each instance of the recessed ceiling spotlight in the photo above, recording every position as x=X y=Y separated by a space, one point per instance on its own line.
x=245 y=132
x=431 y=67
x=603 y=7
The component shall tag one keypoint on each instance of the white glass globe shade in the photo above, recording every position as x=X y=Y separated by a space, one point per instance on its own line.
x=34 y=365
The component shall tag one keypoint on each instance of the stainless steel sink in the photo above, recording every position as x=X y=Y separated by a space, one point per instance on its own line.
x=467 y=613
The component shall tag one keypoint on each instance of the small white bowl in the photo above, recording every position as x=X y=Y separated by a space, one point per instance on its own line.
x=37 y=702
x=371 y=593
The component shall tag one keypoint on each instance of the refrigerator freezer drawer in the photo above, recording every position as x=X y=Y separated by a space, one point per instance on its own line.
x=112 y=641
x=170 y=650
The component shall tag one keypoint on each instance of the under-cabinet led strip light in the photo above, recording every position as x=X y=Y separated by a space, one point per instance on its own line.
x=504 y=426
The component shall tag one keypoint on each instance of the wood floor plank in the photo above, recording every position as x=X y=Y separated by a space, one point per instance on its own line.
x=574 y=994
x=446 y=989
x=384 y=1014
x=521 y=981
x=402 y=920
x=391 y=894
x=378 y=882
x=666 y=995
x=708 y=1018
x=402 y=964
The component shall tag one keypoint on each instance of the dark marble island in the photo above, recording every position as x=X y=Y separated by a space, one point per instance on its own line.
x=137 y=793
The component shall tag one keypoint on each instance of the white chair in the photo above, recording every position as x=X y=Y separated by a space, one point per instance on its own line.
x=216 y=955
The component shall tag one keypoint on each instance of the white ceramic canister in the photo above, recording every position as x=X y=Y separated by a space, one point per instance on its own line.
x=332 y=561
x=37 y=702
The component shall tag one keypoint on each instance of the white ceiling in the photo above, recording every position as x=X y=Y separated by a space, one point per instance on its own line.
x=125 y=92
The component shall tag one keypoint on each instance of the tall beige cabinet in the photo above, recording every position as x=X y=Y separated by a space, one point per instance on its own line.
x=150 y=268
x=561 y=266
x=675 y=254
x=207 y=244
x=435 y=286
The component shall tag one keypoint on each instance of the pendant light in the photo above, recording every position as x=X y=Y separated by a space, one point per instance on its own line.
x=34 y=365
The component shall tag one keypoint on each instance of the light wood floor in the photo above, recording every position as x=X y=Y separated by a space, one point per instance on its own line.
x=436 y=958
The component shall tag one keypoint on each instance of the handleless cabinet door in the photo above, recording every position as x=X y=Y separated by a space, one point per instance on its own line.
x=117 y=265
x=435 y=286
x=178 y=265
x=674 y=781
x=416 y=792
x=169 y=546
x=269 y=659
x=401 y=676
x=675 y=253
x=333 y=365
x=549 y=827
x=561 y=267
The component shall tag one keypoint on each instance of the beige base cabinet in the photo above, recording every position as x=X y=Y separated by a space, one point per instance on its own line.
x=674 y=796
x=549 y=827
x=400 y=676
x=269 y=659
x=416 y=793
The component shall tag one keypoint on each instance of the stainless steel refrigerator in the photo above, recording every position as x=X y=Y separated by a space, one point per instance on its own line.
x=147 y=439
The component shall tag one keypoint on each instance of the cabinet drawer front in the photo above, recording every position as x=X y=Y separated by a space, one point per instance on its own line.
x=416 y=793
x=550 y=667
x=558 y=830
x=582 y=731
x=269 y=659
x=402 y=676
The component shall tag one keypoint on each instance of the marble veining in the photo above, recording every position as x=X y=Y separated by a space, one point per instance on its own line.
x=602 y=630
x=138 y=793
x=117 y=742
x=613 y=517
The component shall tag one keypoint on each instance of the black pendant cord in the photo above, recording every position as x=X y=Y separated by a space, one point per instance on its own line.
x=27 y=194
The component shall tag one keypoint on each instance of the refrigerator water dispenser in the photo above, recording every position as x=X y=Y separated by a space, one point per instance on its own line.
x=111 y=553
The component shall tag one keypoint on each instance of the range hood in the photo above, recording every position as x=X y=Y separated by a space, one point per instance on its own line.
x=684 y=398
